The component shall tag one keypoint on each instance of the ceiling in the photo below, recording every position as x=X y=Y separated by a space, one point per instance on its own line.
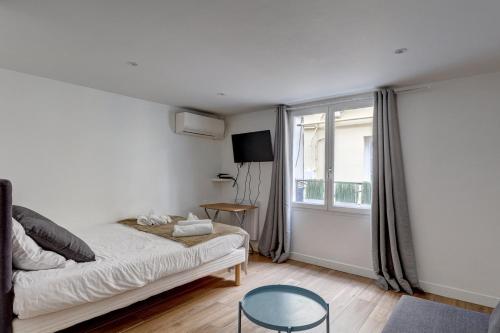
x=257 y=52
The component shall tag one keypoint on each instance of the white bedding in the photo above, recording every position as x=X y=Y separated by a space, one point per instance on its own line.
x=126 y=259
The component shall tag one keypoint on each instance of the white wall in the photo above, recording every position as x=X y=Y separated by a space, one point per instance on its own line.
x=83 y=156
x=451 y=146
x=332 y=239
x=324 y=238
x=241 y=123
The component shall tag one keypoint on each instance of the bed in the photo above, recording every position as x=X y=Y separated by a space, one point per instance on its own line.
x=130 y=266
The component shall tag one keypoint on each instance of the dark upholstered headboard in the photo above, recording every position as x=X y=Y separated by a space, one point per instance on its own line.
x=6 y=291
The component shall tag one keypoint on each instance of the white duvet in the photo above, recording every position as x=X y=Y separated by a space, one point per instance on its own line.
x=125 y=259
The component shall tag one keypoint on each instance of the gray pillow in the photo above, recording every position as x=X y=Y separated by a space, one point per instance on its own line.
x=51 y=236
x=495 y=321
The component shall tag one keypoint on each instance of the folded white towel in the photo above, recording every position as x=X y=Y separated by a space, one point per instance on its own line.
x=193 y=230
x=192 y=217
x=192 y=222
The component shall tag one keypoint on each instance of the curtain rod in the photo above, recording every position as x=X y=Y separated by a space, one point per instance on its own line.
x=412 y=88
x=360 y=99
x=340 y=99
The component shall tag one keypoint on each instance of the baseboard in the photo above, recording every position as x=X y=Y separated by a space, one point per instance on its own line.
x=434 y=288
x=336 y=265
x=460 y=294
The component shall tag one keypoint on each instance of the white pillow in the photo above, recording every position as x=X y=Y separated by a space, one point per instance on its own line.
x=28 y=255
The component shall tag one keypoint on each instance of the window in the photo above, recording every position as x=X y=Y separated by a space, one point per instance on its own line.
x=309 y=132
x=332 y=155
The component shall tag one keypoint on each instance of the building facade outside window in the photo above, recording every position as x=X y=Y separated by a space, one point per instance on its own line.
x=332 y=156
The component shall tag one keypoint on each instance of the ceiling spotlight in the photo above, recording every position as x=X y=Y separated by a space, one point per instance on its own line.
x=221 y=94
x=132 y=63
x=401 y=50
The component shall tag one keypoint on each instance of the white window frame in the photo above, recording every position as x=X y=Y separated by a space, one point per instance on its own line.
x=329 y=107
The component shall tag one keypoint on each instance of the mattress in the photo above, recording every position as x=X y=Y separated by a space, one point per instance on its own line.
x=126 y=259
x=56 y=321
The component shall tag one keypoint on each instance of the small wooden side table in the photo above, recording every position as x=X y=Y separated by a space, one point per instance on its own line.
x=239 y=211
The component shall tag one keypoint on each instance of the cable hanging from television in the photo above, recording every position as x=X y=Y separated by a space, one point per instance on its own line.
x=249 y=183
x=258 y=188
x=248 y=175
x=235 y=184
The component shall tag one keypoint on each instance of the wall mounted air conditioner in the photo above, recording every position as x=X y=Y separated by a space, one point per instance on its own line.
x=195 y=124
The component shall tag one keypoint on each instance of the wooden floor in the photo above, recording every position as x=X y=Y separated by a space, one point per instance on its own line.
x=209 y=305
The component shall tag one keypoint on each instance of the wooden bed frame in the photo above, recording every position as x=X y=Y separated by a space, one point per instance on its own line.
x=50 y=322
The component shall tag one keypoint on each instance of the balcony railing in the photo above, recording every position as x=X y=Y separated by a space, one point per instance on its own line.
x=345 y=192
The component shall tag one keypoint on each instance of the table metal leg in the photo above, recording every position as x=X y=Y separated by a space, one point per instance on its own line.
x=215 y=215
x=328 y=318
x=239 y=317
x=241 y=221
x=208 y=215
x=243 y=218
x=240 y=218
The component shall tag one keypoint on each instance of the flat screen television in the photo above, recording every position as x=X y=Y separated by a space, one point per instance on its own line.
x=252 y=147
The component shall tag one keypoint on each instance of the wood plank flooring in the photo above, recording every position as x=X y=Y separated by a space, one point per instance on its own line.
x=209 y=305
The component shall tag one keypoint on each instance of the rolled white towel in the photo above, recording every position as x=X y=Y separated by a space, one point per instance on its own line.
x=192 y=217
x=143 y=220
x=193 y=230
x=159 y=220
x=193 y=222
x=153 y=220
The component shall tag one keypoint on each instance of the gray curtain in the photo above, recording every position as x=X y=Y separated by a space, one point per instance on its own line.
x=275 y=239
x=393 y=253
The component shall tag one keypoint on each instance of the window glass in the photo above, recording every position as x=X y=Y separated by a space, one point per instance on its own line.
x=352 y=157
x=309 y=162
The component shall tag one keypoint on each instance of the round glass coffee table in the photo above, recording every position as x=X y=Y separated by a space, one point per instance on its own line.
x=284 y=308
